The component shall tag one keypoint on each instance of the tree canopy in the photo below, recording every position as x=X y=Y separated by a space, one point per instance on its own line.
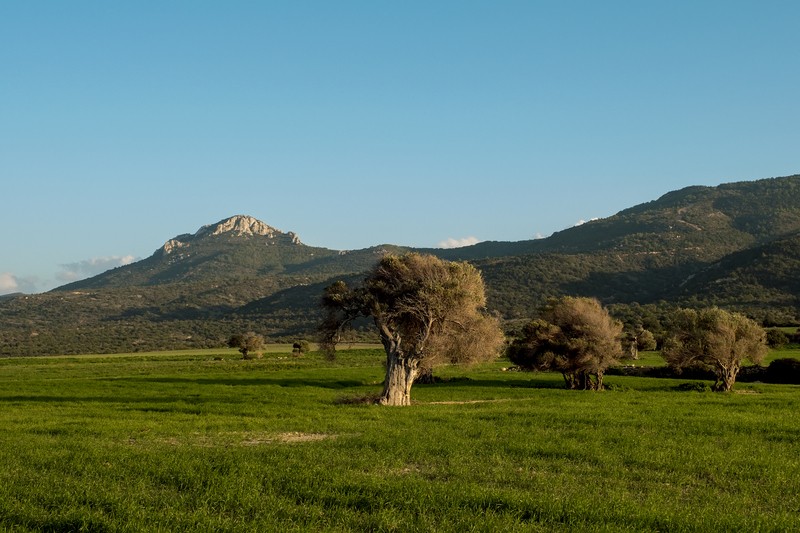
x=714 y=339
x=247 y=343
x=428 y=311
x=575 y=336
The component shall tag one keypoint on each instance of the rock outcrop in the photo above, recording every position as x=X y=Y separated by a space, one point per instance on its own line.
x=238 y=226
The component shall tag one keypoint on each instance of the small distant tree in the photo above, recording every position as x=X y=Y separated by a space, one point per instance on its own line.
x=646 y=341
x=716 y=340
x=630 y=348
x=636 y=340
x=574 y=336
x=427 y=311
x=776 y=338
x=300 y=347
x=248 y=344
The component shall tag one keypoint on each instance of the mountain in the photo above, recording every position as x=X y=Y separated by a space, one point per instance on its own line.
x=700 y=222
x=237 y=248
x=735 y=245
x=762 y=277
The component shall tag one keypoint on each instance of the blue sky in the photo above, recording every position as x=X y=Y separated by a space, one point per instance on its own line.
x=123 y=124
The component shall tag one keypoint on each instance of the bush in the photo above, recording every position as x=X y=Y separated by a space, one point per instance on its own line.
x=692 y=372
x=248 y=344
x=694 y=387
x=753 y=373
x=574 y=336
x=784 y=371
x=776 y=338
x=300 y=347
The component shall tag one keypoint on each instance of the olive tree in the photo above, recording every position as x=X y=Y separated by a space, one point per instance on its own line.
x=427 y=311
x=246 y=343
x=574 y=336
x=714 y=339
x=300 y=347
x=636 y=340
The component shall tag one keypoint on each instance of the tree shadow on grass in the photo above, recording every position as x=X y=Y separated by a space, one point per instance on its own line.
x=176 y=394
x=45 y=398
x=251 y=382
x=522 y=383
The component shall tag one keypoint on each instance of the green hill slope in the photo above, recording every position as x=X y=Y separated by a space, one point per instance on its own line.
x=763 y=280
x=734 y=245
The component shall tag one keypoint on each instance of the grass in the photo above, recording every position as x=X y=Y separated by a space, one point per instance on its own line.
x=647 y=358
x=203 y=441
x=792 y=352
x=653 y=358
x=226 y=352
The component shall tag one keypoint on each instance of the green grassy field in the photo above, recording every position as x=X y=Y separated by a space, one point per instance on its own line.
x=203 y=441
x=781 y=354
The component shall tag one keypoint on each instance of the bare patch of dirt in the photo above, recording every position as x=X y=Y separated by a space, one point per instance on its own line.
x=405 y=470
x=466 y=402
x=303 y=437
x=244 y=438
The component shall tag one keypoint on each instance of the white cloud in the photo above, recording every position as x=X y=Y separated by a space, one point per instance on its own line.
x=538 y=236
x=91 y=267
x=8 y=283
x=458 y=243
x=581 y=222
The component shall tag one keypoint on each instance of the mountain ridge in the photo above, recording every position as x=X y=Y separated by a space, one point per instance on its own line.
x=242 y=274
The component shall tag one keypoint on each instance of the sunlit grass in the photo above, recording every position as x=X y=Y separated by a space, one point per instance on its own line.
x=230 y=352
x=205 y=441
x=783 y=353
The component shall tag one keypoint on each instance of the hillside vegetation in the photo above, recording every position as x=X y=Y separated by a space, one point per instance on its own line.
x=735 y=246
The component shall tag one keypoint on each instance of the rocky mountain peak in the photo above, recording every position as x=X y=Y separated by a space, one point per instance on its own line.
x=238 y=225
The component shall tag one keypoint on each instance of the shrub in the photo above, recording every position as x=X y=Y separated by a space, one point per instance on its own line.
x=776 y=338
x=300 y=347
x=248 y=344
x=784 y=371
x=716 y=339
x=574 y=336
x=694 y=387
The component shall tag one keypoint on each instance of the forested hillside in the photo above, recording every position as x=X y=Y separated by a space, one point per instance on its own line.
x=736 y=245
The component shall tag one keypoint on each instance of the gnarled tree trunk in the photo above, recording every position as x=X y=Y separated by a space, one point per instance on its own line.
x=598 y=383
x=726 y=377
x=401 y=371
x=583 y=380
x=633 y=349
